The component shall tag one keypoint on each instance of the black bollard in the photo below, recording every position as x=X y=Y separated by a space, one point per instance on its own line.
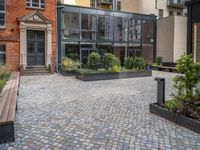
x=160 y=91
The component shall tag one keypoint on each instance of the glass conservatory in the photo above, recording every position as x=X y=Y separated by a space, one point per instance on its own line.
x=84 y=30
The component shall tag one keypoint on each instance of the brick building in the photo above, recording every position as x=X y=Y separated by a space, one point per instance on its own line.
x=27 y=33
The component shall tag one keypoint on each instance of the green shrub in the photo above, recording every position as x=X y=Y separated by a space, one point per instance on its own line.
x=139 y=63
x=109 y=60
x=172 y=105
x=69 y=64
x=129 y=63
x=94 y=61
x=187 y=98
x=116 y=68
x=159 y=60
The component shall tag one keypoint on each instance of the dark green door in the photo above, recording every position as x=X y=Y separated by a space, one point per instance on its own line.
x=35 y=48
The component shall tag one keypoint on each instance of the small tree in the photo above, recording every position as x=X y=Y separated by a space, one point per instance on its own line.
x=187 y=96
x=94 y=61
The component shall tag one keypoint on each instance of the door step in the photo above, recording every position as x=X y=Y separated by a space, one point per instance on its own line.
x=29 y=71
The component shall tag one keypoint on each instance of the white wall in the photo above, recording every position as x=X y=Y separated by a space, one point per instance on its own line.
x=180 y=36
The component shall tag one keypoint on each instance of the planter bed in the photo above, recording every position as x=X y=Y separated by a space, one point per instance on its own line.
x=68 y=73
x=109 y=76
x=179 y=119
x=164 y=68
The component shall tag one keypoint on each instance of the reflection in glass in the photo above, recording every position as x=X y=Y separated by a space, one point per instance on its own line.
x=105 y=28
x=147 y=28
x=88 y=27
x=135 y=30
x=71 y=26
x=120 y=29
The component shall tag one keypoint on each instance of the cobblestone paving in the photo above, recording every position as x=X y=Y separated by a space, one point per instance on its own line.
x=56 y=112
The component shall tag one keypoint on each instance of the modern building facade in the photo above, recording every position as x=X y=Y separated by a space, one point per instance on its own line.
x=82 y=30
x=171 y=14
x=27 y=33
x=193 y=44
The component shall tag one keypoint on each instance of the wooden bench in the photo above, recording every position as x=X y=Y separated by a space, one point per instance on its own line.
x=8 y=106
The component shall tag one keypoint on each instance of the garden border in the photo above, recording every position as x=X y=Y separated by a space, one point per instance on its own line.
x=179 y=119
x=110 y=76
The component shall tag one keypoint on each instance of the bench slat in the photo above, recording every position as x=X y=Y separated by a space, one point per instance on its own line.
x=8 y=98
x=11 y=115
x=5 y=93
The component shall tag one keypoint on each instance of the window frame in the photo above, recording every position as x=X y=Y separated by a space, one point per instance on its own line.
x=29 y=4
x=160 y=13
x=3 y=12
x=3 y=53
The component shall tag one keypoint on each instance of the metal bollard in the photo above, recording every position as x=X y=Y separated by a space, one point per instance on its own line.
x=160 y=91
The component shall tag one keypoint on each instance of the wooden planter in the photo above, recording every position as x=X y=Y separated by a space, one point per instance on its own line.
x=109 y=76
x=181 y=120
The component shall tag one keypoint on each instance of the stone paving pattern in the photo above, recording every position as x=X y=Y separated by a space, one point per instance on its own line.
x=56 y=112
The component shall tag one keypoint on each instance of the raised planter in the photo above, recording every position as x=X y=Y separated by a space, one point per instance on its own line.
x=68 y=73
x=181 y=120
x=164 y=68
x=109 y=76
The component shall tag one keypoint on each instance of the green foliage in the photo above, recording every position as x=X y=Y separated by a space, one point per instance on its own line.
x=159 y=60
x=172 y=105
x=139 y=63
x=69 y=64
x=94 y=61
x=109 y=61
x=135 y=63
x=4 y=77
x=187 y=98
x=129 y=63
x=116 y=68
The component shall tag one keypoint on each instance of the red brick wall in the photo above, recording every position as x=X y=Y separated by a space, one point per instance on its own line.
x=10 y=35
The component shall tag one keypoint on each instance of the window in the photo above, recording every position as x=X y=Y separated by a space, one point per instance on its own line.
x=2 y=12
x=88 y=27
x=178 y=13
x=105 y=28
x=35 y=3
x=160 y=13
x=135 y=30
x=119 y=5
x=93 y=3
x=70 y=26
x=171 y=13
x=2 y=54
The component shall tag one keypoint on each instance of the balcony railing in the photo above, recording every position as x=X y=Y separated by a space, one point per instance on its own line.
x=176 y=4
x=104 y=2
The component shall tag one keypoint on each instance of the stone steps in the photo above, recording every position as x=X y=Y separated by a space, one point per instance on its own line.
x=35 y=71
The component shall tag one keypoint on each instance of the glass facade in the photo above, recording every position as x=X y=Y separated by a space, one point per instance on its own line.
x=84 y=30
